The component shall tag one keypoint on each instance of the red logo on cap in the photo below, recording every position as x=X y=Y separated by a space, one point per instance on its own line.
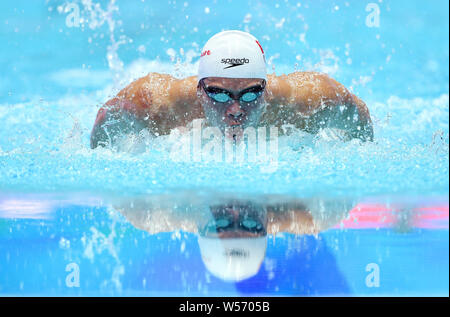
x=207 y=52
x=260 y=46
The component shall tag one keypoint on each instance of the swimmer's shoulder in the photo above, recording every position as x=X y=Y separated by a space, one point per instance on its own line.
x=286 y=85
x=153 y=92
x=307 y=86
x=298 y=76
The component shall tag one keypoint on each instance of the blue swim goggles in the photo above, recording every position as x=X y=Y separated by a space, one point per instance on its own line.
x=223 y=96
x=227 y=223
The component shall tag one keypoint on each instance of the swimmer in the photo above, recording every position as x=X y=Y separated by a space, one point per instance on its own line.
x=232 y=234
x=232 y=91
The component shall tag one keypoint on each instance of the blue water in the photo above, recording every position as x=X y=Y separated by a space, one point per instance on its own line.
x=115 y=258
x=55 y=78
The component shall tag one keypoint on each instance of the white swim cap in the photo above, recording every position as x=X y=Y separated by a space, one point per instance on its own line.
x=232 y=54
x=233 y=259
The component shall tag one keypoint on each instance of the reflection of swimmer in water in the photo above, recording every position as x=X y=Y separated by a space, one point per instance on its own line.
x=233 y=92
x=233 y=242
x=233 y=236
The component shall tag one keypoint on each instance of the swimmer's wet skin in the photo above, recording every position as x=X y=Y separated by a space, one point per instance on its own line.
x=231 y=64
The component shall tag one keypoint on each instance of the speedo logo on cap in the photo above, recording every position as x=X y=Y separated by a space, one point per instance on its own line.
x=233 y=62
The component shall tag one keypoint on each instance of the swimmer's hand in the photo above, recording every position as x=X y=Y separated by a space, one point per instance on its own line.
x=115 y=121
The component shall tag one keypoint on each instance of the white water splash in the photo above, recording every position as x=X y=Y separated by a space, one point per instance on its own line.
x=98 y=242
x=94 y=16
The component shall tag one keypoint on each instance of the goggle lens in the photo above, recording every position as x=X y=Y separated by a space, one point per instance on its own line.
x=225 y=96
x=249 y=97
x=220 y=97
x=221 y=224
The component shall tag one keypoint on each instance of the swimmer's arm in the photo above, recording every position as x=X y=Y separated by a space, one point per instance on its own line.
x=305 y=218
x=295 y=220
x=156 y=102
x=128 y=112
x=117 y=117
x=153 y=219
x=322 y=100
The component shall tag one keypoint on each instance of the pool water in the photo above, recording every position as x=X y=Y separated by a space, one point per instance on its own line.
x=90 y=246
x=59 y=198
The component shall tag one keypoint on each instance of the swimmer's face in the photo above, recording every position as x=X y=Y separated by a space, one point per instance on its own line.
x=232 y=114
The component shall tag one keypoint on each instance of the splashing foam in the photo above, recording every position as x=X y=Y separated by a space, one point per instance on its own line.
x=50 y=151
x=96 y=243
x=95 y=17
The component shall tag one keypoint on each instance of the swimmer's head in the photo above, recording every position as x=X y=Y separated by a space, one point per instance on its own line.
x=236 y=220
x=233 y=242
x=231 y=80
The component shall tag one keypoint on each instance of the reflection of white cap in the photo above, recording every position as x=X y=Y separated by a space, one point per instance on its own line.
x=233 y=259
x=232 y=54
